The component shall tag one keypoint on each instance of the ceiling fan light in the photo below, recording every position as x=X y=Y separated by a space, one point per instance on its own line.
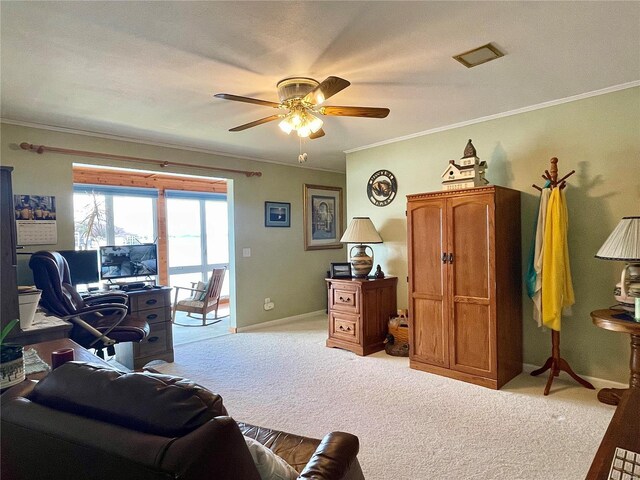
x=285 y=126
x=315 y=124
x=319 y=98
x=304 y=131
x=295 y=119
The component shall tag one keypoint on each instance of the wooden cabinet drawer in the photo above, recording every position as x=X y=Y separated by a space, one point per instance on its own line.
x=156 y=342
x=154 y=315
x=345 y=299
x=345 y=327
x=146 y=301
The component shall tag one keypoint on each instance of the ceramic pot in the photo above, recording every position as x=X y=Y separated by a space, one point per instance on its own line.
x=361 y=263
x=11 y=365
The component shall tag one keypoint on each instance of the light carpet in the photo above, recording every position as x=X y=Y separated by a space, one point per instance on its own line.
x=411 y=424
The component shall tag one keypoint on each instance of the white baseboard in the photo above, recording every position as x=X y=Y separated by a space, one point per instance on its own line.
x=602 y=383
x=280 y=321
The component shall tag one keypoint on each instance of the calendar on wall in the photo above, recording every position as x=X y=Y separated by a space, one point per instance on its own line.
x=36 y=219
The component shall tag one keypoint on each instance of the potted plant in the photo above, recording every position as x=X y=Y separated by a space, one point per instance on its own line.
x=11 y=359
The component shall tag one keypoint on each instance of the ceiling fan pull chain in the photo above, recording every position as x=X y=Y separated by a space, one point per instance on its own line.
x=303 y=156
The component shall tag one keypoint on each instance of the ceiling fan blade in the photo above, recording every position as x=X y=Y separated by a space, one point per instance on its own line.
x=369 y=112
x=255 y=123
x=318 y=134
x=328 y=88
x=236 y=98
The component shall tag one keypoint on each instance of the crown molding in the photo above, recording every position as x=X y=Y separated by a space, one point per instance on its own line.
x=107 y=136
x=495 y=116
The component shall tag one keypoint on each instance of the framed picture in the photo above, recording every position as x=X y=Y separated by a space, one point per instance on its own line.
x=322 y=217
x=340 y=270
x=277 y=214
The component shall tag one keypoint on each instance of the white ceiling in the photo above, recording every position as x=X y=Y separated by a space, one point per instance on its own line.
x=148 y=70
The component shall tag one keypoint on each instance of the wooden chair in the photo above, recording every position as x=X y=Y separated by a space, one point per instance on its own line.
x=201 y=301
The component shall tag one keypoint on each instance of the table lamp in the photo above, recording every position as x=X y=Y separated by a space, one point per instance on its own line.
x=624 y=245
x=361 y=231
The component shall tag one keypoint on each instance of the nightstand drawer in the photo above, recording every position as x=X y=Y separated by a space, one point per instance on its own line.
x=148 y=300
x=345 y=299
x=154 y=315
x=345 y=327
x=156 y=342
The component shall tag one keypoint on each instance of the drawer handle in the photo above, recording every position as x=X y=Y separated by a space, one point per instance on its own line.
x=342 y=299
x=151 y=301
x=152 y=316
x=348 y=329
x=153 y=339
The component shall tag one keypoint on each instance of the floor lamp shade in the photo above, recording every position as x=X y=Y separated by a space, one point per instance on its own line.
x=624 y=245
x=361 y=231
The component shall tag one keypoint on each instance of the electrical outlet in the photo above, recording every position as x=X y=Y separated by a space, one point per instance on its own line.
x=246 y=252
x=267 y=300
x=269 y=306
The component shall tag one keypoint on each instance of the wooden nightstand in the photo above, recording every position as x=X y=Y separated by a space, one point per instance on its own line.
x=359 y=309
x=154 y=306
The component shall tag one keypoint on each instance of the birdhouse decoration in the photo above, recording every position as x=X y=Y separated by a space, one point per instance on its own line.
x=468 y=173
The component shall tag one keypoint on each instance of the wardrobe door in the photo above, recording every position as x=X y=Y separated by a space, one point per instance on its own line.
x=471 y=284
x=428 y=328
x=9 y=309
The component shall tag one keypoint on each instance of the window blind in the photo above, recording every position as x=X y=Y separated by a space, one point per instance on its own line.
x=113 y=190
x=195 y=195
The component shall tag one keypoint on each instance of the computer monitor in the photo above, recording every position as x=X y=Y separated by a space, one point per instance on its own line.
x=122 y=261
x=83 y=265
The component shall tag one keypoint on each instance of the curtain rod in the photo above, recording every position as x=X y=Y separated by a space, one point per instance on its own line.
x=163 y=163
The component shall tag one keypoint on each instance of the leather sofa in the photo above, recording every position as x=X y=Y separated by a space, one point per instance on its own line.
x=88 y=422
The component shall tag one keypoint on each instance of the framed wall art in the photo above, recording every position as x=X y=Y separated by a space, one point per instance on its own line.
x=322 y=217
x=277 y=214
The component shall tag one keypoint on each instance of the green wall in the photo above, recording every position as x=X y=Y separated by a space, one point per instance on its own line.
x=599 y=137
x=278 y=268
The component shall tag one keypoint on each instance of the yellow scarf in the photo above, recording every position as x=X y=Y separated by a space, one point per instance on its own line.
x=557 y=288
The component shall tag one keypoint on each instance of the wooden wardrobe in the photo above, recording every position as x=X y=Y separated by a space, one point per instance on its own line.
x=465 y=284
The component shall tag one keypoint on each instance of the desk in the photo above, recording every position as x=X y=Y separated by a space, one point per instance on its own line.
x=623 y=431
x=607 y=319
x=44 y=350
x=43 y=329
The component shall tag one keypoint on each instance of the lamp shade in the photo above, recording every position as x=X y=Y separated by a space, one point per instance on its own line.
x=361 y=230
x=624 y=242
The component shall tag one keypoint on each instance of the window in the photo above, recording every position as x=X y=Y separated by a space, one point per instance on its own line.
x=197 y=226
x=105 y=215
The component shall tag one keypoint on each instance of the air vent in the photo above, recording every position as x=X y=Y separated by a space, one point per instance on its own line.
x=479 y=55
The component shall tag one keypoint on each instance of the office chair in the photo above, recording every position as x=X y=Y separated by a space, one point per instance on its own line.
x=98 y=321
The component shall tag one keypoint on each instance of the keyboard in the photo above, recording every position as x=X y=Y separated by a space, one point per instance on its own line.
x=625 y=465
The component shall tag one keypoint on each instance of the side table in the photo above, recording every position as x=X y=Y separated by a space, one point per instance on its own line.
x=80 y=353
x=359 y=312
x=619 y=321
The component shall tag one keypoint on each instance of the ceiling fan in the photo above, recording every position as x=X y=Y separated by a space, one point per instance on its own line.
x=300 y=99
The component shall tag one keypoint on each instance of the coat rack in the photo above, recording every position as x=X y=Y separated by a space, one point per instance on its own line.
x=555 y=362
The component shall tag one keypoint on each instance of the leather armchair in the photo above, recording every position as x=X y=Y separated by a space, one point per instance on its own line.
x=85 y=421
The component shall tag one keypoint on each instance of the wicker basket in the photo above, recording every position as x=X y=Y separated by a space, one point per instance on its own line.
x=400 y=333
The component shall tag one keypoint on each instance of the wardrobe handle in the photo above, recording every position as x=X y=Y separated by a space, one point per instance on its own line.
x=444 y=257
x=451 y=258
